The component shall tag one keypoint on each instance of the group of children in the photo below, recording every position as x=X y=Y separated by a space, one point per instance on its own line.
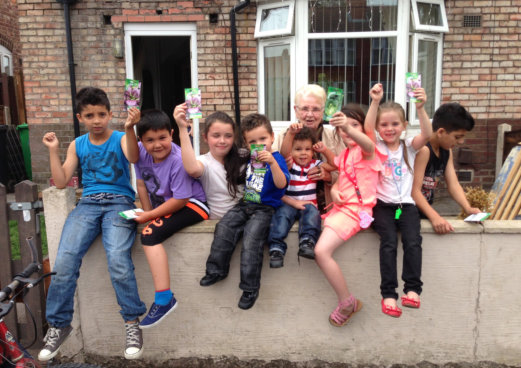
x=377 y=176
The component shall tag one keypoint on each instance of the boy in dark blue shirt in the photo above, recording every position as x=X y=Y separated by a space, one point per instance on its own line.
x=251 y=217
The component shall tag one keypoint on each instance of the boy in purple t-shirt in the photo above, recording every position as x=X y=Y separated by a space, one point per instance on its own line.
x=171 y=200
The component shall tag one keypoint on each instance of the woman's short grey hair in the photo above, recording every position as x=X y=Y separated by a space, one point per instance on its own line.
x=311 y=90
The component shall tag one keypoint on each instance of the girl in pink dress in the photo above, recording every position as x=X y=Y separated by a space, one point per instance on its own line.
x=354 y=196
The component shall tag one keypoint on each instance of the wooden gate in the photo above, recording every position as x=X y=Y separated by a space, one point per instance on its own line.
x=24 y=210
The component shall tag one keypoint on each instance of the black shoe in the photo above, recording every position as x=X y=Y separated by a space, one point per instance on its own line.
x=306 y=249
x=210 y=279
x=248 y=298
x=276 y=259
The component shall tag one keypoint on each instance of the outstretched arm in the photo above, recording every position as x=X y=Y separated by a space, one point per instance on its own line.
x=339 y=120
x=425 y=124
x=376 y=94
x=193 y=167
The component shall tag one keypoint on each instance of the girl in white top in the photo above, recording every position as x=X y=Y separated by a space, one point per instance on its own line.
x=220 y=171
x=395 y=209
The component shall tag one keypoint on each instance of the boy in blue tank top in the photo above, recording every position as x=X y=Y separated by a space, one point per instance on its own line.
x=103 y=155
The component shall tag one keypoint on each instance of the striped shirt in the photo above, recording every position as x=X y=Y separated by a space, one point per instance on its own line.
x=300 y=187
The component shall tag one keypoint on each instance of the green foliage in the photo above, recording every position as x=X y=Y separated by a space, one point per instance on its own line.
x=15 y=238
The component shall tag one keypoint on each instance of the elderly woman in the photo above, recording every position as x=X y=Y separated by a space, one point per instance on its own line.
x=309 y=109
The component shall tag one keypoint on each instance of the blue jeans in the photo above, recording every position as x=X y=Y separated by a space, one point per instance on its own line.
x=283 y=220
x=252 y=222
x=90 y=218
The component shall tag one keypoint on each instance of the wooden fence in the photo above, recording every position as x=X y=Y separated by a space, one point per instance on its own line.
x=24 y=210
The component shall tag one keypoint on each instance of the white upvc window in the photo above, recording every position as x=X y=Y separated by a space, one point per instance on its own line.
x=275 y=19
x=353 y=44
x=429 y=16
x=426 y=59
x=276 y=73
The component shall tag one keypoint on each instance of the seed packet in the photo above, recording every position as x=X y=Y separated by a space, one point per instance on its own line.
x=335 y=98
x=193 y=100
x=258 y=166
x=412 y=81
x=130 y=214
x=132 y=93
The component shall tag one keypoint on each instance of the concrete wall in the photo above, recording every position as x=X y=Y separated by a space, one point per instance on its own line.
x=468 y=313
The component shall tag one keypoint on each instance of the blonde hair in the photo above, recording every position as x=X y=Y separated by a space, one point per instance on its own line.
x=311 y=90
x=398 y=109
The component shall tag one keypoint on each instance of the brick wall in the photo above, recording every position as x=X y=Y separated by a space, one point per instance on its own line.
x=481 y=70
x=47 y=87
x=9 y=31
x=480 y=65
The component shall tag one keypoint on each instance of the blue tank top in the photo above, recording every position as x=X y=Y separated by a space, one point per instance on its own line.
x=105 y=169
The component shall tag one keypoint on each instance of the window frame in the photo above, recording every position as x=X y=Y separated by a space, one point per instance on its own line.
x=276 y=125
x=5 y=53
x=288 y=30
x=444 y=28
x=416 y=38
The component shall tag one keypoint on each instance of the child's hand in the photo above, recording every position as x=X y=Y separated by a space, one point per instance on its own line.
x=50 y=140
x=265 y=156
x=319 y=147
x=134 y=115
x=180 y=116
x=339 y=120
x=421 y=96
x=377 y=92
x=337 y=196
x=472 y=210
x=441 y=226
x=301 y=205
x=142 y=217
x=295 y=128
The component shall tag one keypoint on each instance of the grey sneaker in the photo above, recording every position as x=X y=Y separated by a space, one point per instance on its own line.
x=134 y=344
x=53 y=339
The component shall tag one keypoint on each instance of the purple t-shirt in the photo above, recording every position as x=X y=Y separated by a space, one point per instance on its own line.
x=168 y=178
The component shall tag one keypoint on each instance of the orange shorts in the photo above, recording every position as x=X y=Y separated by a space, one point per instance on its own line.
x=344 y=221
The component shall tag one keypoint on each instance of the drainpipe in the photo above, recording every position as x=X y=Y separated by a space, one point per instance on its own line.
x=72 y=74
x=233 y=31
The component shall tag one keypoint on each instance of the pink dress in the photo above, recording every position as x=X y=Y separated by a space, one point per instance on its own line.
x=344 y=219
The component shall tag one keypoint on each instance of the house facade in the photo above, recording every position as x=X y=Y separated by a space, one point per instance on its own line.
x=466 y=51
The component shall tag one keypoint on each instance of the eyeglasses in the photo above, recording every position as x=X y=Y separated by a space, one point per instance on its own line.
x=314 y=110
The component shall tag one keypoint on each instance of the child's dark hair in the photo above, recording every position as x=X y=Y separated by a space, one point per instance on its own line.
x=398 y=109
x=153 y=119
x=252 y=121
x=234 y=164
x=354 y=111
x=91 y=96
x=452 y=116
x=306 y=134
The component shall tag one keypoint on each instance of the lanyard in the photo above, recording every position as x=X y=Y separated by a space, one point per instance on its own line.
x=352 y=177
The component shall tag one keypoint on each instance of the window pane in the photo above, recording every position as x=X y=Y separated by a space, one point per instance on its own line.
x=275 y=18
x=352 y=16
x=429 y=14
x=354 y=65
x=427 y=67
x=277 y=82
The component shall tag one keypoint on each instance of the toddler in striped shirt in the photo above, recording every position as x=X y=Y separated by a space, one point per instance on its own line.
x=300 y=199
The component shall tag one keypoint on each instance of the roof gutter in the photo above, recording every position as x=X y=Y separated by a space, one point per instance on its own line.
x=233 y=31
x=72 y=74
